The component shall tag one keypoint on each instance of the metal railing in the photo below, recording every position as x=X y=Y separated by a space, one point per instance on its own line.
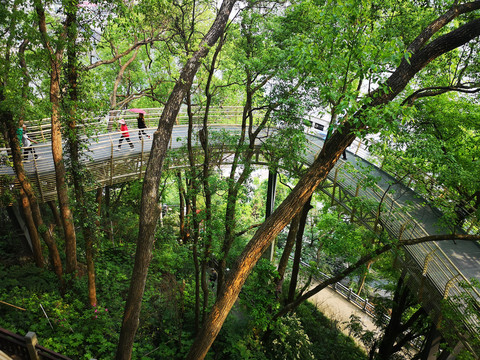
x=119 y=166
x=26 y=347
x=40 y=130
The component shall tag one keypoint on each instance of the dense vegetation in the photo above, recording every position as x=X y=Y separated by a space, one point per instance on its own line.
x=65 y=325
x=126 y=276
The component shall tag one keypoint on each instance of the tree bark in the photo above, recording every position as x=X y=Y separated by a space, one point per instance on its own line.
x=34 y=206
x=298 y=251
x=55 y=59
x=287 y=250
x=327 y=158
x=393 y=330
x=150 y=195
x=9 y=127
x=78 y=171
x=32 y=230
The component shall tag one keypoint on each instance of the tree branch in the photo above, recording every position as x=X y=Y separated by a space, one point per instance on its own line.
x=437 y=90
x=363 y=260
x=120 y=55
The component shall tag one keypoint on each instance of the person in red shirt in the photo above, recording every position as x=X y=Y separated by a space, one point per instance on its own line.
x=125 y=135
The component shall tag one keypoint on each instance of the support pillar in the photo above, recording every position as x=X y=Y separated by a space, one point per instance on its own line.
x=432 y=343
x=271 y=189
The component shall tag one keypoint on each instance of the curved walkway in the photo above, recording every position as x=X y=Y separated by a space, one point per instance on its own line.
x=445 y=263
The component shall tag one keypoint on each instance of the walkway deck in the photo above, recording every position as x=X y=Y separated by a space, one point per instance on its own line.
x=445 y=264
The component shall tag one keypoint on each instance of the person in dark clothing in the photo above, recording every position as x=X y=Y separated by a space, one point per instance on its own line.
x=141 y=126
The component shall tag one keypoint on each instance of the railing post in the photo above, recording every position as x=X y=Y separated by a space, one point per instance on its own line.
x=402 y=230
x=365 y=305
x=141 y=161
x=38 y=179
x=334 y=186
x=427 y=260
x=31 y=341
x=41 y=132
x=357 y=190
x=358 y=147
x=111 y=161
x=448 y=286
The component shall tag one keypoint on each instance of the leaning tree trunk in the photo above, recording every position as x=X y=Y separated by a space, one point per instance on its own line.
x=150 y=195
x=421 y=55
x=34 y=206
x=23 y=180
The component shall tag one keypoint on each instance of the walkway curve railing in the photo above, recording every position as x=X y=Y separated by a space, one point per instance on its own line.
x=110 y=166
x=26 y=347
x=108 y=122
x=432 y=261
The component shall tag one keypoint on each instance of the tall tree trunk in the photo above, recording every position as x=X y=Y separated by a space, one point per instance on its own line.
x=287 y=250
x=421 y=55
x=55 y=58
x=78 y=171
x=298 y=251
x=399 y=305
x=8 y=123
x=150 y=195
x=181 y=210
x=99 y=199
x=204 y=141
x=32 y=230
x=35 y=209
x=235 y=182
x=196 y=263
x=108 y=214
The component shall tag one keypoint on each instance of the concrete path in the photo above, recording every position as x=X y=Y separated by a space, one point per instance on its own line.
x=338 y=309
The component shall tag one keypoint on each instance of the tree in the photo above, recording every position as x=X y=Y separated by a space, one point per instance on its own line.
x=437 y=148
x=149 y=205
x=29 y=199
x=420 y=53
x=55 y=56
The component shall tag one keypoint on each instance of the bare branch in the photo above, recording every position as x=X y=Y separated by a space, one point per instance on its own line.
x=248 y=229
x=120 y=55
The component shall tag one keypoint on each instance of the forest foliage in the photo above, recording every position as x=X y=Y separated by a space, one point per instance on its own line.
x=400 y=76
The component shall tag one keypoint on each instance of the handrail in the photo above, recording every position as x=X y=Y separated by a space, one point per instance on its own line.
x=26 y=347
x=121 y=166
x=447 y=278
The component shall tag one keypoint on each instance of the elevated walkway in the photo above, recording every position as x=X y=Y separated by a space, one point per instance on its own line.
x=439 y=269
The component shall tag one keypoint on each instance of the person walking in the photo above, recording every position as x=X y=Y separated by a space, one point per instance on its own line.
x=26 y=143
x=141 y=126
x=125 y=135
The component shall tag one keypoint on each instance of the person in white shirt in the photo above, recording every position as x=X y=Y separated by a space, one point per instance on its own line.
x=27 y=142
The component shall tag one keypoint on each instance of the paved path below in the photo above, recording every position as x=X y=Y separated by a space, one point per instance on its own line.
x=337 y=308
